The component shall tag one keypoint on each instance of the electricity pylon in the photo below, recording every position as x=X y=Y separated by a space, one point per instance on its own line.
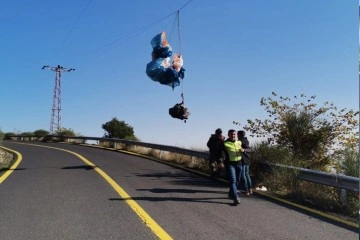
x=55 y=123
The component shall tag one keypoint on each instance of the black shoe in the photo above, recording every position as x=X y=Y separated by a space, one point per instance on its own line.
x=237 y=201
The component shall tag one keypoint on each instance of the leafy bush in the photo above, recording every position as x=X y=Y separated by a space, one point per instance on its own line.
x=284 y=183
x=8 y=134
x=118 y=129
x=41 y=133
x=65 y=132
x=349 y=162
x=278 y=179
x=27 y=134
x=311 y=132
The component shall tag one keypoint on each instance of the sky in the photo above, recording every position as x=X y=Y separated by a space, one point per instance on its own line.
x=235 y=52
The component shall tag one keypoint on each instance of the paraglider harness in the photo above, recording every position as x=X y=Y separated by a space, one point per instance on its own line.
x=179 y=111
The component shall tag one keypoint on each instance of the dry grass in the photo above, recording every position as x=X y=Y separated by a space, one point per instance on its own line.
x=284 y=184
x=5 y=159
x=174 y=158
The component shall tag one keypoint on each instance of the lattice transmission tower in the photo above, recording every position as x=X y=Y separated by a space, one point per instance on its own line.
x=55 y=123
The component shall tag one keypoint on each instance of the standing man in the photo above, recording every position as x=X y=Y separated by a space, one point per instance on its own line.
x=233 y=153
x=215 y=158
x=245 y=176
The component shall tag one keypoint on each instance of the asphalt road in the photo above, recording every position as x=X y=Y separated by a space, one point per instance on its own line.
x=76 y=192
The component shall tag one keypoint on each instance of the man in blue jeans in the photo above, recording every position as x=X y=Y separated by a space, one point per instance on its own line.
x=233 y=153
x=245 y=176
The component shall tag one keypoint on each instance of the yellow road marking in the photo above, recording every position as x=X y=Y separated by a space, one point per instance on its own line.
x=12 y=167
x=149 y=222
x=310 y=210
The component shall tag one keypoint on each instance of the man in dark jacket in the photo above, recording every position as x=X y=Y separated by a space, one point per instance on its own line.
x=245 y=175
x=215 y=158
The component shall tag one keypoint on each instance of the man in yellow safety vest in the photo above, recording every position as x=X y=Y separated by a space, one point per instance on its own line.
x=233 y=153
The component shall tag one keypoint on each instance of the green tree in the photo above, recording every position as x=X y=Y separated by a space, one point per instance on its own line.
x=118 y=129
x=311 y=132
x=27 y=134
x=41 y=133
x=8 y=134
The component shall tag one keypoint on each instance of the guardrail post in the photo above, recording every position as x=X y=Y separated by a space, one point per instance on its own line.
x=343 y=196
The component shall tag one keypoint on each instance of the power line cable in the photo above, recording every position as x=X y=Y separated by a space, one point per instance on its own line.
x=146 y=27
x=62 y=43
x=76 y=21
x=106 y=48
x=184 y=5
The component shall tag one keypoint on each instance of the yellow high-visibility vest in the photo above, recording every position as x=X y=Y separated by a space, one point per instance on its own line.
x=234 y=150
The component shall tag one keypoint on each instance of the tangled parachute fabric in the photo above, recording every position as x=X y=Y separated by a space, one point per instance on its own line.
x=160 y=69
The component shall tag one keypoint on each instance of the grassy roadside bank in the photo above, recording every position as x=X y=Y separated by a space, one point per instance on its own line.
x=5 y=159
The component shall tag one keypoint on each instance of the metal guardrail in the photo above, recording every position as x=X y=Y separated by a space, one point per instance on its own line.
x=166 y=148
x=334 y=180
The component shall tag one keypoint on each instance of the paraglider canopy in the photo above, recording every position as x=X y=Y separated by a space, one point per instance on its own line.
x=160 y=69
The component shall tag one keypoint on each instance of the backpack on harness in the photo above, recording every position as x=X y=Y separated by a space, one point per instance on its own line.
x=179 y=111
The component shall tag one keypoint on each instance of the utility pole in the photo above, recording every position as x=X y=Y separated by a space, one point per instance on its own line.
x=55 y=123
